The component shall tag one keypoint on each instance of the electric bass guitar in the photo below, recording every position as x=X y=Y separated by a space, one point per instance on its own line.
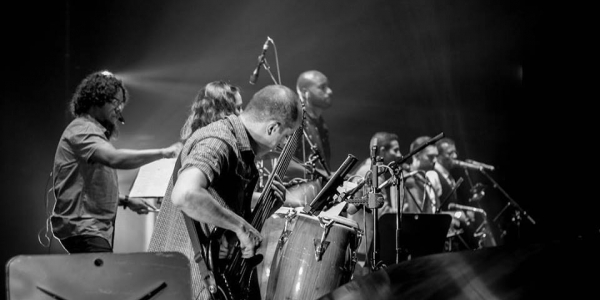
x=233 y=276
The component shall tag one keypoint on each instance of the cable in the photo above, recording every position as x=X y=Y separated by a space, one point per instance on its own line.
x=48 y=239
x=276 y=60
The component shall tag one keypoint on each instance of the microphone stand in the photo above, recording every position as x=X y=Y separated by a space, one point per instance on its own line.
x=399 y=192
x=268 y=68
x=316 y=154
x=398 y=197
x=400 y=189
x=520 y=211
x=373 y=204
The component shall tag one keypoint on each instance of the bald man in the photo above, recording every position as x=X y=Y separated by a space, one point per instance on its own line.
x=313 y=88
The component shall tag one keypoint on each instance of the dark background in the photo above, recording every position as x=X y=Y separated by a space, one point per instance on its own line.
x=485 y=73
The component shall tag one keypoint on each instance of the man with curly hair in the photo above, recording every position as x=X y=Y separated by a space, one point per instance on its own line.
x=85 y=167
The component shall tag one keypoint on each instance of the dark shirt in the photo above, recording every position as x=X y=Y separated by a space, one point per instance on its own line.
x=448 y=194
x=318 y=133
x=222 y=151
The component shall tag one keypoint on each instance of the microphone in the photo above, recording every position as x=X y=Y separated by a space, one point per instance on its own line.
x=391 y=180
x=120 y=118
x=486 y=166
x=467 y=165
x=464 y=207
x=330 y=188
x=261 y=60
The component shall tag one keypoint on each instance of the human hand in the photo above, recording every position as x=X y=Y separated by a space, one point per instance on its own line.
x=249 y=239
x=226 y=246
x=279 y=190
x=141 y=206
x=294 y=182
x=173 y=150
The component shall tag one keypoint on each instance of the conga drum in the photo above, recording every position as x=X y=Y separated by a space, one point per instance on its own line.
x=271 y=232
x=297 y=196
x=314 y=255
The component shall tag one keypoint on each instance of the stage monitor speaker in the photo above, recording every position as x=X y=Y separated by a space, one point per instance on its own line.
x=551 y=270
x=420 y=235
x=99 y=276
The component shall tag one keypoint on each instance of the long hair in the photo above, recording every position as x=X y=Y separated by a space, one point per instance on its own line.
x=213 y=102
x=96 y=89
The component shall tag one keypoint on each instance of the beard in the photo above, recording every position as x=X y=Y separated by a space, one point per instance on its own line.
x=112 y=128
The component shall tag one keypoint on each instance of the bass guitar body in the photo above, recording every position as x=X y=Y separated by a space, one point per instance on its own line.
x=234 y=275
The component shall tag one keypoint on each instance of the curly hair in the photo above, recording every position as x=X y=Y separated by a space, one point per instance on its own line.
x=213 y=102
x=96 y=89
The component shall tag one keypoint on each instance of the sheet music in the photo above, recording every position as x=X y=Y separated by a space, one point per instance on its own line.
x=153 y=179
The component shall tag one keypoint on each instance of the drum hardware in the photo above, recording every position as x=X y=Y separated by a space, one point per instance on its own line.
x=353 y=257
x=285 y=233
x=321 y=246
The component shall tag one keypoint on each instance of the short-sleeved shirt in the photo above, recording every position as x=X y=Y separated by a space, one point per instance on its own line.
x=87 y=192
x=222 y=151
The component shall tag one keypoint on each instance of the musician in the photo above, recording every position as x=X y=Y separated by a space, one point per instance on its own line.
x=310 y=166
x=213 y=102
x=389 y=149
x=446 y=187
x=217 y=177
x=313 y=87
x=84 y=172
x=420 y=197
x=444 y=182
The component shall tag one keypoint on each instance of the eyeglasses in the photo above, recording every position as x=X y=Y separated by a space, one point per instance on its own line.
x=117 y=103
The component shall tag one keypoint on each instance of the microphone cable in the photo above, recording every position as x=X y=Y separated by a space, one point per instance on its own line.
x=276 y=61
x=43 y=236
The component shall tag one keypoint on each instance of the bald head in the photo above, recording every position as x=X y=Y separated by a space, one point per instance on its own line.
x=308 y=78
x=313 y=87
x=275 y=102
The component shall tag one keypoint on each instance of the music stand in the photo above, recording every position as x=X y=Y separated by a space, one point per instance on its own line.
x=99 y=276
x=421 y=234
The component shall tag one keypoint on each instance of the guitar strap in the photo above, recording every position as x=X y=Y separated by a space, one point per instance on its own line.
x=197 y=237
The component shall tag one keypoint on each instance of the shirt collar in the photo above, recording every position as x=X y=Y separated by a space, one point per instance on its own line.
x=93 y=120
x=243 y=142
